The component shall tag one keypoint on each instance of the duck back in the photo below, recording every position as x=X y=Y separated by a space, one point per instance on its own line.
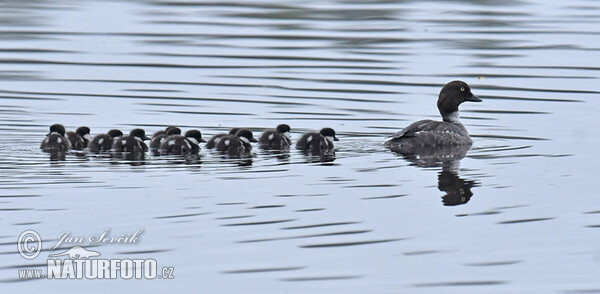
x=430 y=133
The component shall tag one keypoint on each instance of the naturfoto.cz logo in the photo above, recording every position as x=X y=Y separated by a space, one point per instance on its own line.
x=81 y=263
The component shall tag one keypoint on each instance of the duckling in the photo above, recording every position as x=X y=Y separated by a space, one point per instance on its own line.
x=277 y=138
x=55 y=140
x=104 y=142
x=182 y=145
x=238 y=143
x=313 y=141
x=80 y=138
x=212 y=142
x=133 y=143
x=160 y=136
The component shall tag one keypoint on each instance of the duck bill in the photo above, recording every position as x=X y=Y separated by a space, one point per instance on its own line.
x=202 y=140
x=253 y=140
x=147 y=138
x=335 y=139
x=473 y=98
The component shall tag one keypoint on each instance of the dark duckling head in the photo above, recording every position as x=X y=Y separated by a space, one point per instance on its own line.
x=173 y=131
x=57 y=128
x=139 y=133
x=84 y=132
x=114 y=133
x=329 y=134
x=284 y=130
x=194 y=135
x=452 y=95
x=246 y=135
x=234 y=131
x=164 y=132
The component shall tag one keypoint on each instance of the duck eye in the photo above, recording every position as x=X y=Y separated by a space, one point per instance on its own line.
x=462 y=89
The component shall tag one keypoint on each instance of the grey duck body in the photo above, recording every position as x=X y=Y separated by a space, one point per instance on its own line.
x=429 y=133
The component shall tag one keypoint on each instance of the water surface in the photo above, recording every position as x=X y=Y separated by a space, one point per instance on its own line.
x=517 y=214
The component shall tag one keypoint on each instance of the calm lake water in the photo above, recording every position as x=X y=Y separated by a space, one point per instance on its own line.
x=366 y=221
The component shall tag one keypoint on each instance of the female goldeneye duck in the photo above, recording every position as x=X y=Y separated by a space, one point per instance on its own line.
x=276 y=138
x=182 y=145
x=322 y=140
x=80 y=138
x=104 y=142
x=212 y=142
x=55 y=140
x=431 y=133
x=134 y=143
x=161 y=136
x=240 y=142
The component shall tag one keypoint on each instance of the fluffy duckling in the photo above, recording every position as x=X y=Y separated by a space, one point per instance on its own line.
x=238 y=143
x=55 y=140
x=182 y=145
x=277 y=138
x=212 y=142
x=80 y=138
x=104 y=142
x=313 y=141
x=160 y=136
x=133 y=143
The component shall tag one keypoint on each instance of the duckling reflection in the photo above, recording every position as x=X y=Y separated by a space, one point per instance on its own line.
x=177 y=159
x=282 y=155
x=128 y=158
x=317 y=155
x=57 y=155
x=458 y=191
x=245 y=162
x=240 y=159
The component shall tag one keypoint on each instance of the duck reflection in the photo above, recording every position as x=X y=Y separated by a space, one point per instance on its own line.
x=458 y=190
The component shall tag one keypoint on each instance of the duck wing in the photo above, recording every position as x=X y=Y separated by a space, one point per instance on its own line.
x=429 y=132
x=412 y=129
